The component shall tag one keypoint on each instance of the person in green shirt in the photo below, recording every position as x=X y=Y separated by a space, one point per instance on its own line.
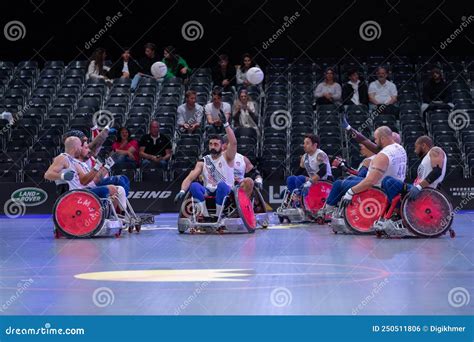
x=177 y=66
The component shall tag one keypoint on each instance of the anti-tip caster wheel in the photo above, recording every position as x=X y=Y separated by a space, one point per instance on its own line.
x=378 y=234
x=130 y=229
x=452 y=233
x=320 y=220
x=138 y=227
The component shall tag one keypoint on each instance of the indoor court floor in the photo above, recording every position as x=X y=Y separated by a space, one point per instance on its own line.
x=283 y=270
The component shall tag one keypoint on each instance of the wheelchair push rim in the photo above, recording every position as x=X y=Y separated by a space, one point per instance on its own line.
x=78 y=214
x=366 y=208
x=429 y=215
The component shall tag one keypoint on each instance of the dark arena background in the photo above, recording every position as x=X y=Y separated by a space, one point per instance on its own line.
x=55 y=78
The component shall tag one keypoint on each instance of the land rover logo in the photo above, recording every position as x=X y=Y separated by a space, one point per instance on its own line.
x=30 y=196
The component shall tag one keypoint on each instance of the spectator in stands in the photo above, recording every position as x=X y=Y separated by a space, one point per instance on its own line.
x=355 y=91
x=177 y=66
x=97 y=69
x=125 y=67
x=241 y=75
x=212 y=111
x=155 y=148
x=244 y=111
x=125 y=148
x=145 y=64
x=223 y=74
x=328 y=91
x=190 y=114
x=382 y=91
x=436 y=90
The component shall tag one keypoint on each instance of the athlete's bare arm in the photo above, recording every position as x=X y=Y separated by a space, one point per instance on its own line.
x=54 y=171
x=192 y=176
x=377 y=169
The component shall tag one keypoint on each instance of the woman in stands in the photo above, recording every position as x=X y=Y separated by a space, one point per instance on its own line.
x=126 y=149
x=244 y=111
x=177 y=66
x=247 y=63
x=97 y=69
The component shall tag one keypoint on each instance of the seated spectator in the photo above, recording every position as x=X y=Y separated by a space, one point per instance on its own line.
x=436 y=91
x=155 y=148
x=190 y=114
x=97 y=69
x=145 y=64
x=212 y=111
x=328 y=91
x=244 y=111
x=177 y=66
x=241 y=74
x=382 y=91
x=125 y=67
x=355 y=92
x=125 y=148
x=223 y=74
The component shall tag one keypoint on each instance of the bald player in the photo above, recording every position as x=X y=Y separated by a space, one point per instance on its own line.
x=66 y=169
x=430 y=173
x=391 y=161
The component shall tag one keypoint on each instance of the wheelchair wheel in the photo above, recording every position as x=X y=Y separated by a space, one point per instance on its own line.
x=430 y=215
x=245 y=209
x=366 y=208
x=78 y=214
x=316 y=197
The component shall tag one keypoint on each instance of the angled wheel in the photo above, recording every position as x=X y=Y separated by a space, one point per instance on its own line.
x=316 y=197
x=430 y=215
x=78 y=214
x=366 y=208
x=245 y=208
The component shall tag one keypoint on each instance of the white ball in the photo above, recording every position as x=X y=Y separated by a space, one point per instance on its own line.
x=159 y=69
x=255 y=75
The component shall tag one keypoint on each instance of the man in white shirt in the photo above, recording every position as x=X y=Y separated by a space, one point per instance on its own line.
x=213 y=109
x=382 y=91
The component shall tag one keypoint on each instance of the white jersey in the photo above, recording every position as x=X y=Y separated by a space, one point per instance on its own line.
x=86 y=169
x=425 y=168
x=397 y=162
x=215 y=171
x=75 y=183
x=239 y=167
x=311 y=163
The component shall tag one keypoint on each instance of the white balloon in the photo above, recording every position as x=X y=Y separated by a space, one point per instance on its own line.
x=255 y=75
x=159 y=69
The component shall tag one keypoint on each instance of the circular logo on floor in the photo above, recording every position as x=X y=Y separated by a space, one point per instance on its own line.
x=30 y=197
